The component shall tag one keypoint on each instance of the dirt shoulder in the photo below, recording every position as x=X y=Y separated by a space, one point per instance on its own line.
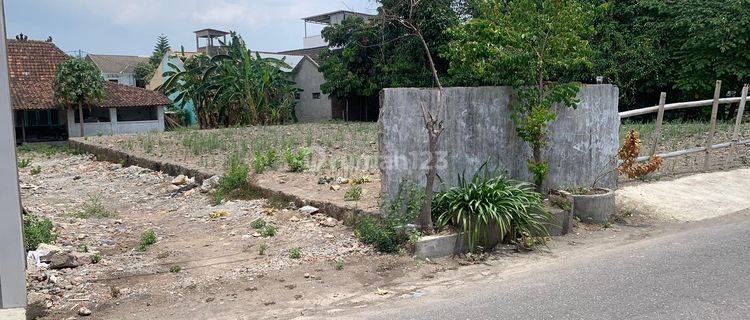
x=222 y=273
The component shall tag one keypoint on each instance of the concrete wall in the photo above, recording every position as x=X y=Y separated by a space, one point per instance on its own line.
x=114 y=126
x=479 y=128
x=127 y=79
x=308 y=78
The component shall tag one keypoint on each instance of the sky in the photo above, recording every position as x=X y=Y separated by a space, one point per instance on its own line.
x=130 y=27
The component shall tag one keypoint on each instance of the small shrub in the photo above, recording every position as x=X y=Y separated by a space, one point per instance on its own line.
x=391 y=234
x=262 y=249
x=258 y=223
x=295 y=253
x=83 y=248
x=147 y=239
x=93 y=208
x=235 y=175
x=263 y=161
x=296 y=160
x=175 y=269
x=353 y=194
x=23 y=163
x=490 y=203
x=628 y=154
x=96 y=258
x=35 y=170
x=339 y=264
x=37 y=231
x=268 y=231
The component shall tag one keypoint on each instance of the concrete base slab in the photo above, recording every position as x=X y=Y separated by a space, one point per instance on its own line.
x=13 y=314
x=692 y=198
x=431 y=247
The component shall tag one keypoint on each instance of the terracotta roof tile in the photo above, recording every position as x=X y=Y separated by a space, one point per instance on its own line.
x=32 y=65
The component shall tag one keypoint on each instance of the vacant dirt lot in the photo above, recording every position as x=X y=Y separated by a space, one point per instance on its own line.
x=223 y=274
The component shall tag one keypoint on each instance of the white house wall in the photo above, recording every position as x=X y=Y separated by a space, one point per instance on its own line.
x=115 y=127
x=127 y=79
x=309 y=79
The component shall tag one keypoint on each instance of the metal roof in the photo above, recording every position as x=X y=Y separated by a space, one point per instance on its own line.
x=325 y=18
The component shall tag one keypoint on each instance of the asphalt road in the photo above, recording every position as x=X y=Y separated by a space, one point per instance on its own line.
x=701 y=271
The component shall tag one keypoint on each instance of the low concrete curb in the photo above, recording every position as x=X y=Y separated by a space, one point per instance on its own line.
x=431 y=247
x=349 y=216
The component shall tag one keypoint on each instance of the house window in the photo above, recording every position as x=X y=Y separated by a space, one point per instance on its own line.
x=297 y=96
x=316 y=95
x=92 y=115
x=137 y=114
x=113 y=80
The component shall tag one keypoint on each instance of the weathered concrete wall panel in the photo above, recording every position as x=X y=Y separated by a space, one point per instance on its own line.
x=479 y=128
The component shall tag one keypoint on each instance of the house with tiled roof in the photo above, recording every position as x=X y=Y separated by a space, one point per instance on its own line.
x=117 y=68
x=32 y=66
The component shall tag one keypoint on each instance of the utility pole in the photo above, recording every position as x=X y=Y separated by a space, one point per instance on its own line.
x=12 y=257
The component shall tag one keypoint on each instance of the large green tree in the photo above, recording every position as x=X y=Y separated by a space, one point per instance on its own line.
x=78 y=83
x=374 y=54
x=681 y=47
x=530 y=45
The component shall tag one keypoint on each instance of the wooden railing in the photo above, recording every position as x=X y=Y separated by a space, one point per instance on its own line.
x=709 y=144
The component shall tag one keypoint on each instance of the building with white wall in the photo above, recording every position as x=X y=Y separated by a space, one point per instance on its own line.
x=32 y=66
x=117 y=68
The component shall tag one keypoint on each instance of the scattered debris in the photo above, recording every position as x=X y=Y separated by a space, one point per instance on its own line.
x=84 y=312
x=218 y=214
x=210 y=184
x=329 y=222
x=309 y=209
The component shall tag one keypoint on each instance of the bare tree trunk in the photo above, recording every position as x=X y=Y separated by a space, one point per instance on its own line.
x=80 y=116
x=537 y=155
x=425 y=215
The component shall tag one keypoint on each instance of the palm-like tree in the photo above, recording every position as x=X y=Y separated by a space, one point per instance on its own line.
x=234 y=88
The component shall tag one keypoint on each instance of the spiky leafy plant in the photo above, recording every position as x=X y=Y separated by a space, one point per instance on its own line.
x=489 y=203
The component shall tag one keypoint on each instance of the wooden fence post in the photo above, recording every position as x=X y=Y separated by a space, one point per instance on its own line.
x=737 y=123
x=659 y=120
x=712 y=129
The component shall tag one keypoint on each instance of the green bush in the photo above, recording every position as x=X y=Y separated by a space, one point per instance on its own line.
x=263 y=161
x=296 y=160
x=390 y=233
x=353 y=194
x=235 y=175
x=491 y=203
x=35 y=170
x=37 y=231
x=147 y=239
x=258 y=223
x=96 y=258
x=295 y=253
x=175 y=269
x=268 y=231
x=23 y=163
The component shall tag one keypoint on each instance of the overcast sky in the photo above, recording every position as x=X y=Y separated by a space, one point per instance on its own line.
x=131 y=26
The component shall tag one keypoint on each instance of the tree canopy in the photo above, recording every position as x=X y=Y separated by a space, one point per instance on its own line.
x=160 y=49
x=380 y=53
x=77 y=83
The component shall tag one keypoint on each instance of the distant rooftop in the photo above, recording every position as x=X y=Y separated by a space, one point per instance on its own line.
x=326 y=17
x=108 y=63
x=210 y=32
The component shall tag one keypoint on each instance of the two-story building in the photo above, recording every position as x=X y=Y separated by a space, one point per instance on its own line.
x=117 y=68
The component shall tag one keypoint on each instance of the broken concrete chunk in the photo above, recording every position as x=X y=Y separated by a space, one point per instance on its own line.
x=309 y=209
x=329 y=222
x=180 y=180
x=210 y=184
x=60 y=260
